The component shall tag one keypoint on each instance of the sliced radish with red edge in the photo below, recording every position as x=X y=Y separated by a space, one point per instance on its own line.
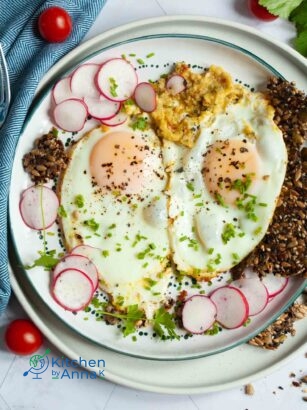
x=72 y=289
x=93 y=254
x=118 y=119
x=38 y=207
x=198 y=314
x=83 y=82
x=255 y=293
x=231 y=306
x=117 y=79
x=274 y=284
x=145 y=97
x=70 y=115
x=101 y=108
x=77 y=262
x=62 y=91
x=176 y=84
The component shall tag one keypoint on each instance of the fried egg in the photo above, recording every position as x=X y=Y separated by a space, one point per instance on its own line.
x=113 y=195
x=223 y=191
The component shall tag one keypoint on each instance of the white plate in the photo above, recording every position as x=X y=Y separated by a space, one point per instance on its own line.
x=250 y=58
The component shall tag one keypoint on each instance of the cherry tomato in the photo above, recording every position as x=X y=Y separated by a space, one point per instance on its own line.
x=261 y=12
x=54 y=24
x=23 y=337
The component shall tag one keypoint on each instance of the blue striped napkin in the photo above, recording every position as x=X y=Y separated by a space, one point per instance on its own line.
x=29 y=58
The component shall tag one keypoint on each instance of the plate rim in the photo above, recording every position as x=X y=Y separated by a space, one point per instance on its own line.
x=178 y=19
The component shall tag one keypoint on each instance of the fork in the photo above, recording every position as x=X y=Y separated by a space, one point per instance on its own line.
x=5 y=92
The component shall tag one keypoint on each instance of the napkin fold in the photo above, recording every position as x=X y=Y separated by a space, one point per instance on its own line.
x=29 y=57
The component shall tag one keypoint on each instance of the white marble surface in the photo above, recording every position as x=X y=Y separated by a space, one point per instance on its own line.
x=18 y=392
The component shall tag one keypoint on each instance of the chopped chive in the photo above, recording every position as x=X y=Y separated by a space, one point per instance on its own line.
x=150 y=55
x=190 y=186
x=140 y=61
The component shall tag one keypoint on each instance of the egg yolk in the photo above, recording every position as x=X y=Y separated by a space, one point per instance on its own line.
x=230 y=168
x=120 y=161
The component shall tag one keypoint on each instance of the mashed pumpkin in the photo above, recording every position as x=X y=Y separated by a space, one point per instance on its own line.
x=177 y=117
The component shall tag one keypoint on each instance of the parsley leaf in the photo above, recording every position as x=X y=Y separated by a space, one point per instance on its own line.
x=281 y=8
x=299 y=17
x=301 y=43
x=46 y=260
x=139 y=124
x=133 y=315
x=113 y=87
x=163 y=321
x=296 y=12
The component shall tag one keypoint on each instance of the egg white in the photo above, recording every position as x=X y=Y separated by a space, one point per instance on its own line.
x=197 y=221
x=132 y=236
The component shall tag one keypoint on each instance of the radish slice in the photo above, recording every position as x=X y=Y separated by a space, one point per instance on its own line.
x=198 y=314
x=101 y=108
x=62 y=91
x=231 y=306
x=38 y=207
x=78 y=262
x=72 y=289
x=93 y=254
x=83 y=83
x=70 y=115
x=118 y=119
x=255 y=293
x=117 y=79
x=274 y=284
x=176 y=83
x=145 y=97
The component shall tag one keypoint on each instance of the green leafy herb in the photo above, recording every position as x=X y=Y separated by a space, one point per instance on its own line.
x=242 y=185
x=55 y=132
x=296 y=12
x=113 y=87
x=235 y=256
x=61 y=212
x=220 y=200
x=105 y=253
x=163 y=322
x=247 y=322
x=228 y=233
x=133 y=315
x=46 y=260
x=190 y=186
x=140 y=61
x=79 y=201
x=139 y=124
x=92 y=224
x=214 y=330
x=149 y=283
x=150 y=55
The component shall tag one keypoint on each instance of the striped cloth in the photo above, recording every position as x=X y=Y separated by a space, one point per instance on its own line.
x=29 y=58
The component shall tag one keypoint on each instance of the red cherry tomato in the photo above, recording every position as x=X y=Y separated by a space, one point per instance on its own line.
x=261 y=12
x=23 y=337
x=54 y=24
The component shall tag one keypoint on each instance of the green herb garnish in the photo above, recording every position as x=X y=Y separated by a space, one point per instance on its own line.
x=92 y=224
x=296 y=12
x=163 y=322
x=140 y=61
x=190 y=186
x=61 y=212
x=79 y=201
x=150 y=55
x=46 y=260
x=113 y=87
x=139 y=124
x=228 y=233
